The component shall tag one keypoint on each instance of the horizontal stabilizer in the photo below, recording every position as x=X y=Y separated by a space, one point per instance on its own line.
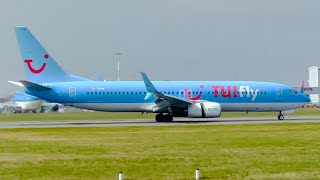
x=16 y=83
x=34 y=86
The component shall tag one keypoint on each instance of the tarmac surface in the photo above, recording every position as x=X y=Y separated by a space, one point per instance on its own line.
x=124 y=123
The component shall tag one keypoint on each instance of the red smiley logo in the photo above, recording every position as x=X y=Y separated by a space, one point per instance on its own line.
x=33 y=70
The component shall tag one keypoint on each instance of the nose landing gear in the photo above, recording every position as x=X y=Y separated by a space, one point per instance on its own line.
x=164 y=118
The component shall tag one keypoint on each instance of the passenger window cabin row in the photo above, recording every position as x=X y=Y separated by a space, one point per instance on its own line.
x=115 y=93
x=172 y=93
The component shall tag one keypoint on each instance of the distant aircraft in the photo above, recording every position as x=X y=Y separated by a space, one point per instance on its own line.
x=26 y=103
x=193 y=99
x=21 y=103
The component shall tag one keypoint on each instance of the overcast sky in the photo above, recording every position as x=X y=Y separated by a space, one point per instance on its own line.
x=271 y=40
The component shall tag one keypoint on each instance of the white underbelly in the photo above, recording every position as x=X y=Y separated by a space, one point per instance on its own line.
x=117 y=107
x=226 y=107
x=260 y=107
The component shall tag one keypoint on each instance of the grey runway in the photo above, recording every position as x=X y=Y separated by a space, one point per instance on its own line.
x=124 y=123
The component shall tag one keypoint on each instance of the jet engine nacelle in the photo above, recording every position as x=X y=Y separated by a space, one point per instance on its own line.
x=204 y=110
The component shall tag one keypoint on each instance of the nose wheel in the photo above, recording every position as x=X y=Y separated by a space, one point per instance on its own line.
x=280 y=117
x=164 y=118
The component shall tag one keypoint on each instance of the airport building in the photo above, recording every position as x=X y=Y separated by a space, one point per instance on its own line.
x=313 y=89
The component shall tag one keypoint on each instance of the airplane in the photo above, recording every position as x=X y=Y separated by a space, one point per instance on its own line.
x=26 y=103
x=23 y=102
x=168 y=99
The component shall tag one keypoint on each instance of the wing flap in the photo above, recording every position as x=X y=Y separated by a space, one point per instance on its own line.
x=174 y=100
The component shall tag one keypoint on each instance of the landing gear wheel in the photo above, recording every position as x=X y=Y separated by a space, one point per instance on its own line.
x=164 y=118
x=281 y=117
x=160 y=118
x=168 y=118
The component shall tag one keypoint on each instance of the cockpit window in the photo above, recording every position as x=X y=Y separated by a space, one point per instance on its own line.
x=293 y=91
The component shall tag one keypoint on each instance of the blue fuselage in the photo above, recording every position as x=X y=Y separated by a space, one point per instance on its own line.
x=130 y=95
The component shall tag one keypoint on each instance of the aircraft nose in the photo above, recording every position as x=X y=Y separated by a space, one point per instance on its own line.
x=306 y=99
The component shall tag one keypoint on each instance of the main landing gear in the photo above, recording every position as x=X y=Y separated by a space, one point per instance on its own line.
x=164 y=118
x=280 y=117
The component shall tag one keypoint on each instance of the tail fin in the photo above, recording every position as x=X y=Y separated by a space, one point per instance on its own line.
x=302 y=88
x=40 y=67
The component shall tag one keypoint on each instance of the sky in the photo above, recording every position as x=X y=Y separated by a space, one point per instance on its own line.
x=265 y=40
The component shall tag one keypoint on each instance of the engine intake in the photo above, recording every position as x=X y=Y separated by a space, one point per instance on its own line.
x=204 y=110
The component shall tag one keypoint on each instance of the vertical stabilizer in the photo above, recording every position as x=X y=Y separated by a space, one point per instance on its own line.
x=39 y=65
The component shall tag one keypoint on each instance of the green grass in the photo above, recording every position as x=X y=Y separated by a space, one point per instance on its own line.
x=73 y=116
x=268 y=151
x=123 y=116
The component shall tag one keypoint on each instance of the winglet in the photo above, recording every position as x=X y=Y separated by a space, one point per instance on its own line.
x=151 y=90
x=98 y=77
x=302 y=88
x=148 y=83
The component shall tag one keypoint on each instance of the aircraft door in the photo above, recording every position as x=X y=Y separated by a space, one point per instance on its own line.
x=72 y=94
x=279 y=94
